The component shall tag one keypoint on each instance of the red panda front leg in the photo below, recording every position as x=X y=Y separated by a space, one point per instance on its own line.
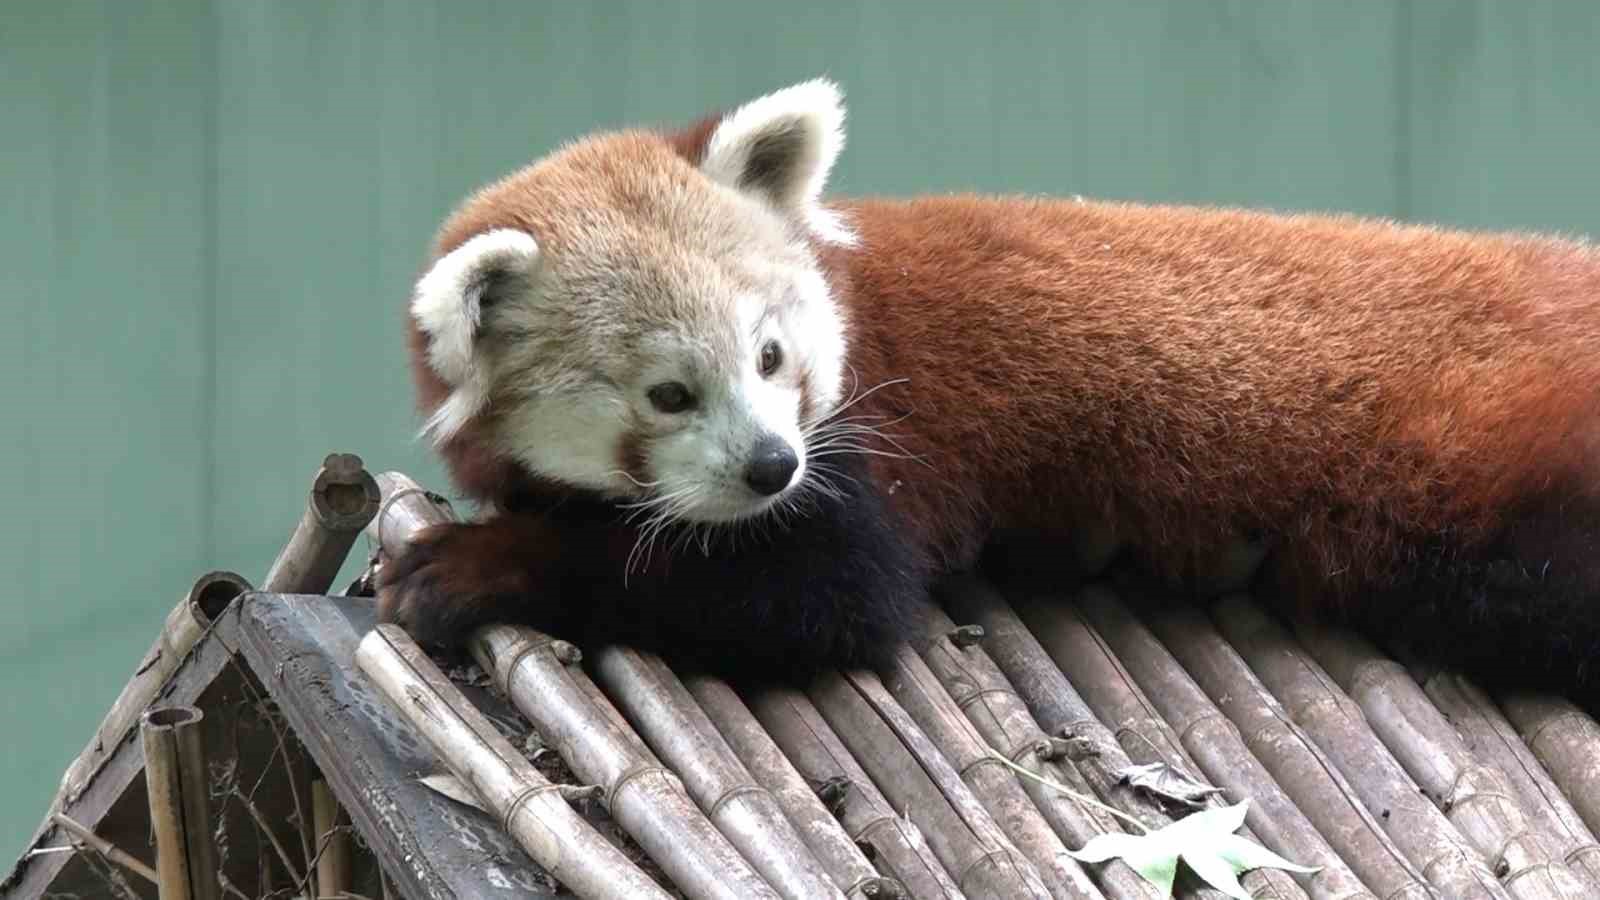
x=455 y=577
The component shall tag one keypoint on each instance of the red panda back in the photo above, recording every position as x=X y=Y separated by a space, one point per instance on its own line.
x=1346 y=388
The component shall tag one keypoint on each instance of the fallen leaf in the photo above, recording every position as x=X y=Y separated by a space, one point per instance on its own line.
x=1204 y=841
x=1167 y=783
x=452 y=787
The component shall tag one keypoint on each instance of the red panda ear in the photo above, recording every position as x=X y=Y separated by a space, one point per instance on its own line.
x=781 y=147
x=448 y=304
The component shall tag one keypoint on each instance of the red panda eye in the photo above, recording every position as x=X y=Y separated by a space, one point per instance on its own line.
x=771 y=358
x=671 y=397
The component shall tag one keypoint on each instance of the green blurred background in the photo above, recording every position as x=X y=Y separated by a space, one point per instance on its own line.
x=211 y=211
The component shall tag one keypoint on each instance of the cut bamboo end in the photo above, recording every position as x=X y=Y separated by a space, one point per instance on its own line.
x=528 y=806
x=180 y=812
x=343 y=499
x=643 y=796
x=205 y=600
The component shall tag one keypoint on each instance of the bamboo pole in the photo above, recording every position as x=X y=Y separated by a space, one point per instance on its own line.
x=1295 y=762
x=1479 y=801
x=898 y=846
x=342 y=500
x=1116 y=700
x=917 y=689
x=206 y=598
x=645 y=798
x=1217 y=748
x=1334 y=721
x=663 y=712
x=991 y=704
x=332 y=847
x=179 y=797
x=915 y=776
x=526 y=804
x=1567 y=741
x=1493 y=740
x=822 y=833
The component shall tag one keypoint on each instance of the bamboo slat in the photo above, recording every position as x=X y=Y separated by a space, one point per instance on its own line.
x=1334 y=721
x=1217 y=748
x=898 y=846
x=1563 y=738
x=913 y=775
x=525 y=803
x=1493 y=740
x=642 y=795
x=1283 y=748
x=832 y=846
x=1475 y=798
x=991 y=704
x=1116 y=699
x=663 y=712
x=914 y=686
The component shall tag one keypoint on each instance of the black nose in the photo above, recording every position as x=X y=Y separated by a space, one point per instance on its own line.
x=771 y=466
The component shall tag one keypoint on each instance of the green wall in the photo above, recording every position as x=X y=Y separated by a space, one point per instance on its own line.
x=211 y=212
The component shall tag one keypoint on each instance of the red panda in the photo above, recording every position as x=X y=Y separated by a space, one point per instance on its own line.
x=718 y=415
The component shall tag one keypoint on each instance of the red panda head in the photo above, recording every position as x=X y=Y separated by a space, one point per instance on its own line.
x=623 y=319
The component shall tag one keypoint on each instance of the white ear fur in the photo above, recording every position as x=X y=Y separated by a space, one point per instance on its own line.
x=448 y=307
x=782 y=146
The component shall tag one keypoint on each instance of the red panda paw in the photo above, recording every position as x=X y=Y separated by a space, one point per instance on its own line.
x=451 y=580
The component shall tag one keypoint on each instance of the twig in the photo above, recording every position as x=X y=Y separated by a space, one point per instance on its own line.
x=106 y=848
x=1057 y=786
x=261 y=822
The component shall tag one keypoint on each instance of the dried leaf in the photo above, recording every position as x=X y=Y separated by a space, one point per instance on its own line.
x=1167 y=783
x=452 y=787
x=1204 y=841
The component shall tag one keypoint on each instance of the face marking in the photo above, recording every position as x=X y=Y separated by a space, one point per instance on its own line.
x=677 y=329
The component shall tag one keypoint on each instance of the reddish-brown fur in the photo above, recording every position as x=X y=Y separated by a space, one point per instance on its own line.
x=1357 y=393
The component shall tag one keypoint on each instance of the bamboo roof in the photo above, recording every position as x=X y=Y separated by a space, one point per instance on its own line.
x=535 y=768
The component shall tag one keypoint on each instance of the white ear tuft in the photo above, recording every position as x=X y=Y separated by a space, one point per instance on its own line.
x=448 y=306
x=782 y=147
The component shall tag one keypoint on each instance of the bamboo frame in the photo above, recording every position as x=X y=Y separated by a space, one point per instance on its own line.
x=526 y=804
x=1476 y=799
x=1116 y=699
x=343 y=499
x=822 y=833
x=899 y=848
x=1217 y=748
x=179 y=798
x=105 y=848
x=912 y=684
x=663 y=712
x=1336 y=723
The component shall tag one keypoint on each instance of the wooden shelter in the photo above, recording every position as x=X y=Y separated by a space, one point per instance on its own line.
x=275 y=743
